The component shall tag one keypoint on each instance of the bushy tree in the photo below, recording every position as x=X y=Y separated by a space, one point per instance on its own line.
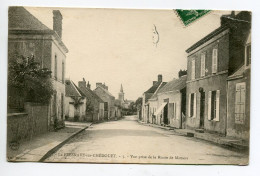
x=32 y=82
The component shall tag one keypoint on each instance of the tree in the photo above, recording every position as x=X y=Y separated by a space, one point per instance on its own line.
x=27 y=81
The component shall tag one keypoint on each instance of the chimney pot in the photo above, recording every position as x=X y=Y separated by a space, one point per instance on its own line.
x=160 y=78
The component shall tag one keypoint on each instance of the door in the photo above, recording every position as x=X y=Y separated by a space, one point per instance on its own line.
x=202 y=109
x=165 y=112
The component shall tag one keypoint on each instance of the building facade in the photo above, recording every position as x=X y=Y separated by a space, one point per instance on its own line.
x=210 y=61
x=94 y=104
x=172 y=103
x=108 y=99
x=75 y=102
x=238 y=103
x=28 y=36
x=146 y=96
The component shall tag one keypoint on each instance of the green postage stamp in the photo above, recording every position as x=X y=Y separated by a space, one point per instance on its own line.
x=189 y=16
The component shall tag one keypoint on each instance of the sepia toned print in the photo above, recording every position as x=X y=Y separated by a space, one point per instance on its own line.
x=128 y=86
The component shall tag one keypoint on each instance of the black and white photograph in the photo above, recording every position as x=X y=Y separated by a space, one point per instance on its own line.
x=140 y=86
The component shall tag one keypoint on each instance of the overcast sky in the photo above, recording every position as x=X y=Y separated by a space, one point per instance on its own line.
x=117 y=47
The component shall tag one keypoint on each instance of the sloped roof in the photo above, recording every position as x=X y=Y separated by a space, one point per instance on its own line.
x=105 y=90
x=71 y=89
x=238 y=73
x=22 y=21
x=158 y=89
x=175 y=84
x=20 y=18
x=89 y=93
x=154 y=87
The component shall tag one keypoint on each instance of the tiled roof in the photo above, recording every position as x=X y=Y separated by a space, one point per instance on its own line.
x=71 y=90
x=153 y=88
x=20 y=18
x=158 y=89
x=89 y=93
x=175 y=84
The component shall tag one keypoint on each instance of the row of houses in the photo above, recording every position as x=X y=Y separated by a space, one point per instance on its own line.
x=84 y=104
x=214 y=95
x=28 y=36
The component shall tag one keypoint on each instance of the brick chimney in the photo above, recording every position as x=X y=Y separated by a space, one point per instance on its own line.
x=160 y=78
x=82 y=83
x=88 y=85
x=57 y=22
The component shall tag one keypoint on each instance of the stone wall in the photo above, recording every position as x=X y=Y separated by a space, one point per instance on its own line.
x=24 y=126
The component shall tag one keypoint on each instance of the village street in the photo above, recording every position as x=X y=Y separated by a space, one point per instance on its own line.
x=127 y=141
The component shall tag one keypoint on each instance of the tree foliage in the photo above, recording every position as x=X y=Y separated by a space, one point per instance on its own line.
x=32 y=82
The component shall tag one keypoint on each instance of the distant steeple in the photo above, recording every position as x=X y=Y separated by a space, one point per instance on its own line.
x=121 y=89
x=121 y=94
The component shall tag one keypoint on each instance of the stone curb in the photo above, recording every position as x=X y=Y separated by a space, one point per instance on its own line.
x=57 y=147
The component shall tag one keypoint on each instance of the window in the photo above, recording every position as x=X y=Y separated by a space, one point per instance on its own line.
x=248 y=55
x=214 y=60
x=202 y=64
x=240 y=103
x=193 y=69
x=55 y=67
x=63 y=72
x=213 y=105
x=192 y=105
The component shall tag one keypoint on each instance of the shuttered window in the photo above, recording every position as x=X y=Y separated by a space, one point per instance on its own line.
x=192 y=105
x=240 y=103
x=202 y=64
x=213 y=105
x=193 y=69
x=214 y=60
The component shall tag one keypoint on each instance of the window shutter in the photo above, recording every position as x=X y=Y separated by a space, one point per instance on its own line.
x=217 y=105
x=189 y=104
x=202 y=64
x=193 y=69
x=214 y=60
x=195 y=105
x=209 y=106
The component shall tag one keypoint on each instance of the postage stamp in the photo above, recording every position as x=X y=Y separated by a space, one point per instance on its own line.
x=189 y=16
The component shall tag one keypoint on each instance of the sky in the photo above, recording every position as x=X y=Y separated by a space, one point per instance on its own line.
x=117 y=46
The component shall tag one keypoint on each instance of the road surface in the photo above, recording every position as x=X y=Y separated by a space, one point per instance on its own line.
x=127 y=141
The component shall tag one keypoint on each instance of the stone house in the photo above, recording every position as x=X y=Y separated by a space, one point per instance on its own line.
x=94 y=106
x=238 y=100
x=109 y=100
x=75 y=102
x=171 y=103
x=210 y=61
x=146 y=110
x=29 y=36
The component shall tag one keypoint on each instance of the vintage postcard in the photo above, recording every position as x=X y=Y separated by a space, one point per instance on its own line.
x=128 y=86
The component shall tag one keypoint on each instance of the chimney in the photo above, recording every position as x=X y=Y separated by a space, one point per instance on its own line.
x=88 y=85
x=82 y=83
x=160 y=78
x=105 y=87
x=57 y=22
x=99 y=84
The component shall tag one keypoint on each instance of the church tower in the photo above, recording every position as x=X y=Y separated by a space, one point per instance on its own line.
x=121 y=94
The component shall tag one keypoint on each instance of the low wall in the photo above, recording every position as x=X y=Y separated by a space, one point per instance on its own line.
x=23 y=126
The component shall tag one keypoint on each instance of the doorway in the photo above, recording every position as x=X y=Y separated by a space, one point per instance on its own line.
x=165 y=112
x=202 y=109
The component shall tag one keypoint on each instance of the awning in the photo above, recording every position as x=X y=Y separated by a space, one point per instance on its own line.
x=160 y=108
